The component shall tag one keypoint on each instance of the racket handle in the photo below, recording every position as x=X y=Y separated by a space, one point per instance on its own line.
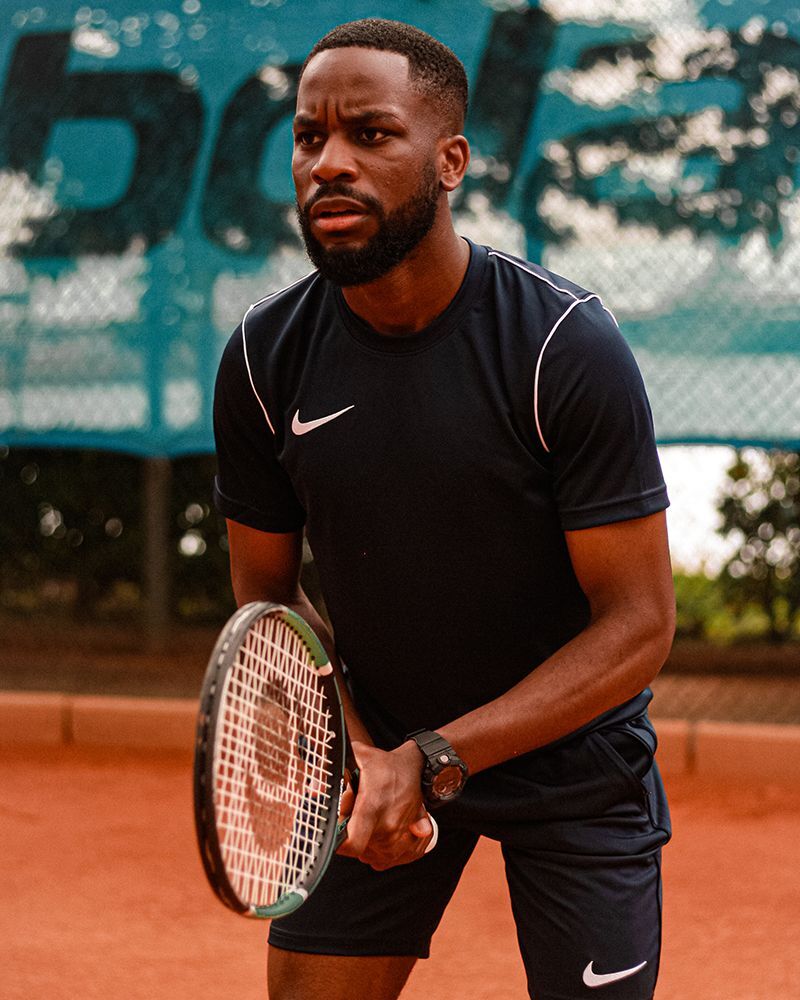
x=341 y=834
x=352 y=775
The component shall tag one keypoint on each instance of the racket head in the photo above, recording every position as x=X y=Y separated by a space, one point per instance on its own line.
x=269 y=762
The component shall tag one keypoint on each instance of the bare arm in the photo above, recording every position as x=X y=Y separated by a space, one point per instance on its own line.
x=265 y=566
x=389 y=820
x=624 y=570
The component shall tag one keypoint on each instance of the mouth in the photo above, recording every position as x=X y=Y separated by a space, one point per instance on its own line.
x=337 y=214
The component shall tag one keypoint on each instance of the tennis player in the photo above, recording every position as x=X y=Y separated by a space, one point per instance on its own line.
x=465 y=439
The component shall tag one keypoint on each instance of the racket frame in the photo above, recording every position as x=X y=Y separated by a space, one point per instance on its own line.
x=221 y=663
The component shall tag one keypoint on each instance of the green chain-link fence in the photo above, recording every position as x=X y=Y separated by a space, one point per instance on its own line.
x=648 y=150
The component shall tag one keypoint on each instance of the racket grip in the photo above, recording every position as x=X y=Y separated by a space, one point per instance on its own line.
x=351 y=775
x=341 y=832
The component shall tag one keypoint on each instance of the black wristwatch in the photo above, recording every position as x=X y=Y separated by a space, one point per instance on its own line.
x=444 y=773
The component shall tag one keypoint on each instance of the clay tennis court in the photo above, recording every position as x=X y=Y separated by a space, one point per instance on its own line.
x=103 y=893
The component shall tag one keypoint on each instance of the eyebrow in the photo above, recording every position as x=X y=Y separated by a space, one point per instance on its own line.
x=357 y=118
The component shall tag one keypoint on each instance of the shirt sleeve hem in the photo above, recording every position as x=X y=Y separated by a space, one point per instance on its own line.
x=240 y=512
x=612 y=511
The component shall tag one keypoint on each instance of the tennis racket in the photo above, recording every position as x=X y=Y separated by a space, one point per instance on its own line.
x=271 y=762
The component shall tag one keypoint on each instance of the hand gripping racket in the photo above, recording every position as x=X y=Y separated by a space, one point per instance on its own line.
x=271 y=762
x=272 y=759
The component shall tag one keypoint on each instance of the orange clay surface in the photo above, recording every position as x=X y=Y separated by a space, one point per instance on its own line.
x=102 y=894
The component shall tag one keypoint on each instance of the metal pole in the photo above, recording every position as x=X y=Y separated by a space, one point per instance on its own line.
x=156 y=577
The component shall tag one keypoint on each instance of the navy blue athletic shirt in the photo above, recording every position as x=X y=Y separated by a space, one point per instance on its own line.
x=435 y=473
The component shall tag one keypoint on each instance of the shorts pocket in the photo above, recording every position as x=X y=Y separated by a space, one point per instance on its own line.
x=628 y=750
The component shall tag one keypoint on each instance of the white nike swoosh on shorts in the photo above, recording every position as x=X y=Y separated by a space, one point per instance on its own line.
x=593 y=979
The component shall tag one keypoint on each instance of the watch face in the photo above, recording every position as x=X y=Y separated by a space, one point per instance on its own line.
x=447 y=782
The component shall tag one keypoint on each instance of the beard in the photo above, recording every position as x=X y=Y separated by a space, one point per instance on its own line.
x=399 y=232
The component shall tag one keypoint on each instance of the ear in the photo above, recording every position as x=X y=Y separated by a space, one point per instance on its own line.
x=453 y=161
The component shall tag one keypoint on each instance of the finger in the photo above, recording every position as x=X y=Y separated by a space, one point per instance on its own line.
x=347 y=802
x=386 y=848
x=361 y=827
x=380 y=861
x=422 y=827
x=435 y=838
x=351 y=846
x=426 y=827
x=346 y=848
x=401 y=853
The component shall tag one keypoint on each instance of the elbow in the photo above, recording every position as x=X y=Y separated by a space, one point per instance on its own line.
x=641 y=634
x=655 y=636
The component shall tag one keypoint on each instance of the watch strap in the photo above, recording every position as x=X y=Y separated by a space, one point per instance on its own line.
x=432 y=744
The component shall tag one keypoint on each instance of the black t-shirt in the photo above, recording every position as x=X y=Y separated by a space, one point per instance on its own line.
x=435 y=473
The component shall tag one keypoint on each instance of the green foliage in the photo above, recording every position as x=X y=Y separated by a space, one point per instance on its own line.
x=699 y=602
x=704 y=613
x=761 y=515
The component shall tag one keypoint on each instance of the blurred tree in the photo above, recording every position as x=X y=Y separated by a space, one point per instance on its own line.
x=72 y=537
x=760 y=507
x=201 y=589
x=201 y=575
x=68 y=533
x=700 y=603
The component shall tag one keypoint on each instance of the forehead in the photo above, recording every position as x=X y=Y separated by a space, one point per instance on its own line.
x=353 y=78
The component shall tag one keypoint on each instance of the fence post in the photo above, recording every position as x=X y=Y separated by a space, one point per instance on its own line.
x=157 y=583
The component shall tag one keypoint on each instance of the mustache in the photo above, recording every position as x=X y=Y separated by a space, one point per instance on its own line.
x=338 y=189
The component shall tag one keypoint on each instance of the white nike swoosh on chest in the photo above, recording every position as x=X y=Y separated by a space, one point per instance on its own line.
x=592 y=978
x=304 y=426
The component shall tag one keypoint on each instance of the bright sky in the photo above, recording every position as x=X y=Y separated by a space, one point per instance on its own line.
x=693 y=476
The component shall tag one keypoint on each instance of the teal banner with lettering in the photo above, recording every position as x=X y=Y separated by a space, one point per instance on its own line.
x=648 y=150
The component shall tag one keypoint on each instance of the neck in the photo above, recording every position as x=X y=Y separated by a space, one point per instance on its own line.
x=414 y=293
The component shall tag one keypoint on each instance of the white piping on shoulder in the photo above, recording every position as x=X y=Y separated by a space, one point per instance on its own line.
x=547 y=281
x=244 y=346
x=549 y=337
x=562 y=317
x=527 y=270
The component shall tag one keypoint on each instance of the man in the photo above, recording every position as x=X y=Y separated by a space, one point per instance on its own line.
x=465 y=439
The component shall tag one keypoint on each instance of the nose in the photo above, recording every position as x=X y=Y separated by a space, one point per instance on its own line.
x=334 y=161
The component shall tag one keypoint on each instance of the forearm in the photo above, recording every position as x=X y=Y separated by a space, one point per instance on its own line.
x=603 y=666
x=297 y=599
x=303 y=606
x=388 y=803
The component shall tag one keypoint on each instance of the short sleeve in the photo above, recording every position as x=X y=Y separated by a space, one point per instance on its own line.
x=251 y=486
x=594 y=420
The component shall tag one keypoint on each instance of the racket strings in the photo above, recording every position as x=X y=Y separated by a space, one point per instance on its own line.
x=273 y=769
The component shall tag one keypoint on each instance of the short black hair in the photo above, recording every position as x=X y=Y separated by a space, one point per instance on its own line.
x=434 y=69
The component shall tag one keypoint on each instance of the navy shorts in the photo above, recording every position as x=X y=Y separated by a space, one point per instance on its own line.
x=581 y=824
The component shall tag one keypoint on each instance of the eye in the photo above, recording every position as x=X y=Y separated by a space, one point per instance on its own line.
x=306 y=139
x=371 y=134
